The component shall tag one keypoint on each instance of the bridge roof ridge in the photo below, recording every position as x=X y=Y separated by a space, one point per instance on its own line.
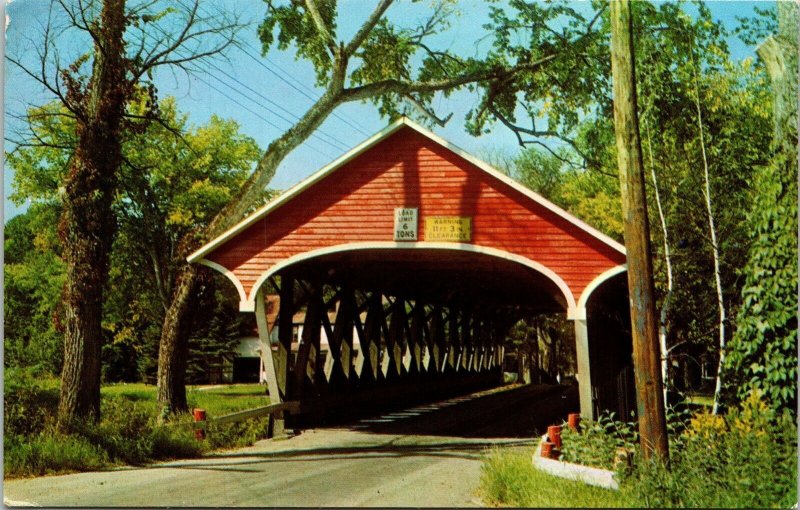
x=383 y=134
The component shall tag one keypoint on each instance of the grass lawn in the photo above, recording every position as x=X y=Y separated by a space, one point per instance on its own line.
x=217 y=401
x=701 y=399
x=129 y=431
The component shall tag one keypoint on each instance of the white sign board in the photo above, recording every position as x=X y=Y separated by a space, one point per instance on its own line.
x=405 y=224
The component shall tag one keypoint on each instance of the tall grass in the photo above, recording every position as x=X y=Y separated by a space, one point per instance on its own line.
x=128 y=433
x=508 y=478
x=46 y=453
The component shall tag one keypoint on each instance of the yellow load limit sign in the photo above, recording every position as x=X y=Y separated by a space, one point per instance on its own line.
x=448 y=228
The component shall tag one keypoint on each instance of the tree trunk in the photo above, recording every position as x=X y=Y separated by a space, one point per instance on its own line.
x=87 y=225
x=175 y=330
x=173 y=347
x=650 y=398
x=714 y=244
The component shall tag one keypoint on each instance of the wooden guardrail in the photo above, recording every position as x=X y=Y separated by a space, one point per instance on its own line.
x=200 y=421
x=257 y=412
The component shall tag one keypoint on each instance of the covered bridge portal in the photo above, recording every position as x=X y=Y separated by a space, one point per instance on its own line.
x=427 y=256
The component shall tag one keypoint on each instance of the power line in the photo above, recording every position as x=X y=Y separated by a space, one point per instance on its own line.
x=327 y=155
x=313 y=97
x=338 y=145
x=200 y=70
x=314 y=135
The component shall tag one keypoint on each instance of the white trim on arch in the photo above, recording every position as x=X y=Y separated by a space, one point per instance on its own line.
x=370 y=142
x=384 y=245
x=599 y=280
x=244 y=304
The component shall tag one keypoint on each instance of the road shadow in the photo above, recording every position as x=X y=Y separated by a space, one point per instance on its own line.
x=520 y=412
x=249 y=461
x=461 y=427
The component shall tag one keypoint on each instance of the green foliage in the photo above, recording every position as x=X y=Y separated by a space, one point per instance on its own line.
x=175 y=178
x=239 y=434
x=508 y=478
x=554 y=101
x=542 y=340
x=747 y=459
x=34 y=276
x=215 y=338
x=49 y=454
x=128 y=433
x=596 y=443
x=28 y=405
x=763 y=352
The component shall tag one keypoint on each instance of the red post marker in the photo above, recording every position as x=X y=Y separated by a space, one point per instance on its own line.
x=574 y=421
x=554 y=434
x=547 y=449
x=200 y=423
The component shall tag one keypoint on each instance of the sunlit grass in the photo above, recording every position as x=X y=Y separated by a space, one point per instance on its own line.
x=508 y=478
x=129 y=432
x=217 y=401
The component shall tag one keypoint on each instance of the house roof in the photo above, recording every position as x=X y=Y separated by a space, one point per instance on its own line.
x=367 y=144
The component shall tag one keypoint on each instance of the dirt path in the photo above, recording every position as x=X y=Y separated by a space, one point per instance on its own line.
x=427 y=456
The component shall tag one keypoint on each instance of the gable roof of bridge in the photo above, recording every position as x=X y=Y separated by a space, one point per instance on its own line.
x=368 y=144
x=523 y=226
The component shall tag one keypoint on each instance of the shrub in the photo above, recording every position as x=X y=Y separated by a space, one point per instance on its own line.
x=175 y=441
x=50 y=453
x=29 y=408
x=597 y=442
x=124 y=431
x=129 y=430
x=747 y=459
x=239 y=434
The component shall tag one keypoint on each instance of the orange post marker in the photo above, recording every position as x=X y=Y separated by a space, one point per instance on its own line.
x=574 y=421
x=547 y=449
x=199 y=417
x=554 y=434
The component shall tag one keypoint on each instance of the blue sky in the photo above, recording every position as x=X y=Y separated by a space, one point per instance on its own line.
x=265 y=95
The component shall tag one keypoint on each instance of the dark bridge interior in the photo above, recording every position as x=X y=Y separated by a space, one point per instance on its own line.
x=403 y=326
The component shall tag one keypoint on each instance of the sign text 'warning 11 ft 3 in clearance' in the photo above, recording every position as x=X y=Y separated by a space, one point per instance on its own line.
x=448 y=228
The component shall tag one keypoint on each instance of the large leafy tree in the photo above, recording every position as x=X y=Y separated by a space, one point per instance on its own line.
x=173 y=178
x=763 y=353
x=383 y=62
x=672 y=50
x=34 y=277
x=121 y=59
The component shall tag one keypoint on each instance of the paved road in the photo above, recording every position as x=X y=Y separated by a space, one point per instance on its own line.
x=429 y=456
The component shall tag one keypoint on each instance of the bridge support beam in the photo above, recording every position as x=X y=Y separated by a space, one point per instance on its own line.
x=584 y=368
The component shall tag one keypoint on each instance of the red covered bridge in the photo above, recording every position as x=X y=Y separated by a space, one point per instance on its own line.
x=428 y=256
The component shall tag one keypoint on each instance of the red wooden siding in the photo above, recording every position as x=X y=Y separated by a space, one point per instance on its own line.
x=356 y=203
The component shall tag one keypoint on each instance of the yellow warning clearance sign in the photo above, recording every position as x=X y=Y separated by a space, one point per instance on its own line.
x=448 y=228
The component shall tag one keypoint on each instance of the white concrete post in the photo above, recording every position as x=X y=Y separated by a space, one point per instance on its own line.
x=584 y=371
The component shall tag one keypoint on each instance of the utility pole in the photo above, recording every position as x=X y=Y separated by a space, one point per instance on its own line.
x=646 y=359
